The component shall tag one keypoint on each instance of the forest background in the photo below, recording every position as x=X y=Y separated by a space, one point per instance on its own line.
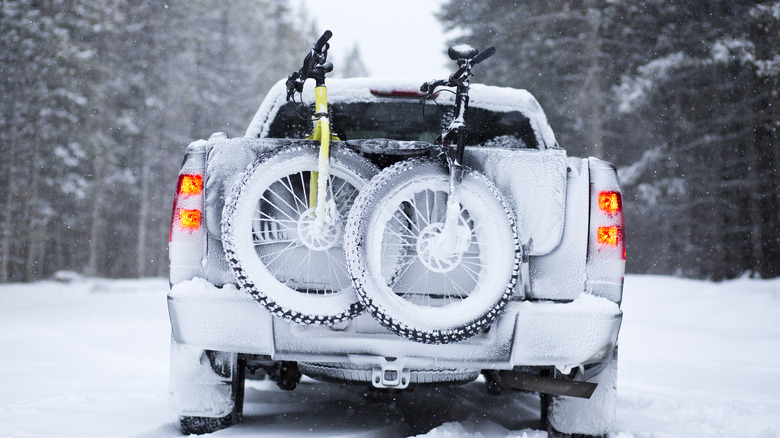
x=99 y=100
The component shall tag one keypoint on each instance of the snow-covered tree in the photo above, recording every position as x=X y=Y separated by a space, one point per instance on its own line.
x=99 y=100
x=705 y=94
x=681 y=94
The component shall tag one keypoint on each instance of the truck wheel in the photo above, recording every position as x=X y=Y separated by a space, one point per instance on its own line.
x=276 y=254
x=571 y=417
x=415 y=284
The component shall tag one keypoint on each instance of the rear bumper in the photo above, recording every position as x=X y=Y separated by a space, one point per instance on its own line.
x=527 y=333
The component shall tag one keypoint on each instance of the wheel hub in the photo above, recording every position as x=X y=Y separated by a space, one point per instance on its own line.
x=318 y=235
x=441 y=253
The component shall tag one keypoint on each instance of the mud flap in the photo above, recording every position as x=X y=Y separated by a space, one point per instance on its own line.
x=591 y=417
x=202 y=383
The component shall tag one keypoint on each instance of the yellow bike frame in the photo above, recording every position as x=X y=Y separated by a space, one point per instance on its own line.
x=318 y=183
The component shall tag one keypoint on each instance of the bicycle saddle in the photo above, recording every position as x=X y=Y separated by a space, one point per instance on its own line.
x=461 y=51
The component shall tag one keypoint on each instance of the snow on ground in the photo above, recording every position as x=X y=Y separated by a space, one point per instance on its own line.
x=90 y=359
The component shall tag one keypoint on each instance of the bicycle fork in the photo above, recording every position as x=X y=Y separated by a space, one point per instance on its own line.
x=452 y=237
x=318 y=183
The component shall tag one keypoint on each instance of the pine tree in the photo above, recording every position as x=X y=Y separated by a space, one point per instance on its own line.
x=703 y=94
x=99 y=100
x=681 y=94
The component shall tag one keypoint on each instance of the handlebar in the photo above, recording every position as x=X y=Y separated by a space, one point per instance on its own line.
x=322 y=41
x=315 y=65
x=470 y=59
x=483 y=55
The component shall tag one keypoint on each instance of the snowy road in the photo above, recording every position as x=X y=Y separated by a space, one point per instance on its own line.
x=90 y=359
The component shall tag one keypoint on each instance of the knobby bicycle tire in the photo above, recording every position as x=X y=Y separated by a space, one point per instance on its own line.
x=267 y=237
x=405 y=282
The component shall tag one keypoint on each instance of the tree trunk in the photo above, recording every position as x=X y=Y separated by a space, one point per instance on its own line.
x=595 y=89
x=143 y=212
x=96 y=218
x=34 y=218
x=10 y=205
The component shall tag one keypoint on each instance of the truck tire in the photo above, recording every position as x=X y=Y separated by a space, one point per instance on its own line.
x=571 y=417
x=296 y=273
x=413 y=284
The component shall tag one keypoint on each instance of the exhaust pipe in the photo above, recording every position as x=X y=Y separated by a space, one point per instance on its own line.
x=507 y=379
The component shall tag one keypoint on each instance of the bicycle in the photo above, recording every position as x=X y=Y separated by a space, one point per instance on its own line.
x=315 y=66
x=282 y=225
x=434 y=253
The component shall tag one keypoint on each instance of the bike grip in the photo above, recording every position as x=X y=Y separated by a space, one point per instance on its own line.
x=323 y=40
x=483 y=55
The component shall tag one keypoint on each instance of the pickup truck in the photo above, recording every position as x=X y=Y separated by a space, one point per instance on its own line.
x=555 y=333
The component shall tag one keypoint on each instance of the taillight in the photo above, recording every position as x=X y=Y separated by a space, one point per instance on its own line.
x=609 y=223
x=190 y=185
x=188 y=238
x=189 y=219
x=606 y=265
x=607 y=236
x=187 y=205
x=609 y=202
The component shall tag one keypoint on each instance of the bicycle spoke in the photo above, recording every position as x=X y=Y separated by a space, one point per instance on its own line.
x=337 y=269
x=305 y=185
x=332 y=182
x=290 y=189
x=290 y=246
x=410 y=290
x=467 y=261
x=305 y=259
x=470 y=272
x=263 y=198
x=271 y=242
x=423 y=216
x=403 y=269
x=265 y=219
x=408 y=224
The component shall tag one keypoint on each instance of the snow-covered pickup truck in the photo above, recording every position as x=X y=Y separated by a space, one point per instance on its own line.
x=255 y=292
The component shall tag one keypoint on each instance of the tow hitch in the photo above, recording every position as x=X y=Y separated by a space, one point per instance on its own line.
x=391 y=374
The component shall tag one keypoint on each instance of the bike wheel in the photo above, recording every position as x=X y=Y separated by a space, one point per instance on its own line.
x=275 y=250
x=411 y=282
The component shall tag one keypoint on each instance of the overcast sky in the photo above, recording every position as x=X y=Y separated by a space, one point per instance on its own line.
x=398 y=38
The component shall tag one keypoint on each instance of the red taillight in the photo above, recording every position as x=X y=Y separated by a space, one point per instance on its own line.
x=190 y=184
x=408 y=94
x=610 y=202
x=608 y=223
x=188 y=204
x=606 y=262
x=607 y=236
x=398 y=93
x=189 y=219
